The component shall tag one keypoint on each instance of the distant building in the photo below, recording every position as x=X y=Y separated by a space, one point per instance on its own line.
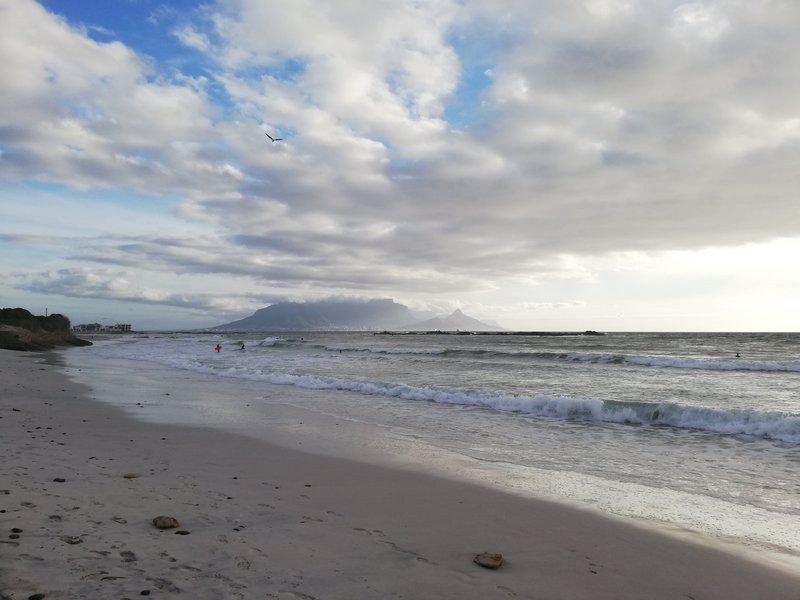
x=98 y=328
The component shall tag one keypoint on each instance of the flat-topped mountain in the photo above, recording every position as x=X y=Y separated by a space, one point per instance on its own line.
x=324 y=315
x=364 y=315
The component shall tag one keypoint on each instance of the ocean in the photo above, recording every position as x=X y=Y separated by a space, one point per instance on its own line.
x=670 y=429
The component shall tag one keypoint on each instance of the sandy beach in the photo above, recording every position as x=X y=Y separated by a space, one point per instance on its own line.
x=80 y=482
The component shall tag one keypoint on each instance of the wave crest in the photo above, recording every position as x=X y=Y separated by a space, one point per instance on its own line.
x=776 y=426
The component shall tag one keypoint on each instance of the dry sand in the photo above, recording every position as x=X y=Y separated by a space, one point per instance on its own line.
x=265 y=521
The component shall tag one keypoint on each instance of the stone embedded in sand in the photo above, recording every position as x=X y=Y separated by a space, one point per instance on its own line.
x=131 y=475
x=59 y=480
x=488 y=560
x=36 y=597
x=71 y=539
x=182 y=532
x=166 y=522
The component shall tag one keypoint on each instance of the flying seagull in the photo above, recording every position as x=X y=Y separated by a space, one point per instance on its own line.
x=272 y=139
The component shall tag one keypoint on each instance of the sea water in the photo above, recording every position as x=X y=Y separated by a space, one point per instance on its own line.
x=666 y=428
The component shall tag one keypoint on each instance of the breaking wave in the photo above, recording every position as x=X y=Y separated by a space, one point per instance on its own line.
x=777 y=426
x=772 y=425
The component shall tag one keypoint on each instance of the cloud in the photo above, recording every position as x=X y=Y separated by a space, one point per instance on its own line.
x=192 y=38
x=605 y=126
x=111 y=285
x=92 y=115
x=292 y=265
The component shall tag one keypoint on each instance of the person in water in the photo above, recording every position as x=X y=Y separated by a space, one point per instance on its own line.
x=218 y=347
x=242 y=348
x=737 y=355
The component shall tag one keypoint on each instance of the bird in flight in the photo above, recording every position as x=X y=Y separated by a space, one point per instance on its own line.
x=272 y=139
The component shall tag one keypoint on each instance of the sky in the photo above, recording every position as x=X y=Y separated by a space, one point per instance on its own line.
x=616 y=165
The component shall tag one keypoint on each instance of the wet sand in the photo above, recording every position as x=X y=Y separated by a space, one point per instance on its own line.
x=266 y=521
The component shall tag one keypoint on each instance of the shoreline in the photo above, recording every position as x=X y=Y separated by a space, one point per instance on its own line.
x=270 y=521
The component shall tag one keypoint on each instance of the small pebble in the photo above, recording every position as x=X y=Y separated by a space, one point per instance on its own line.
x=16 y=530
x=182 y=532
x=71 y=539
x=489 y=560
x=59 y=480
x=36 y=597
x=144 y=593
x=163 y=522
x=14 y=536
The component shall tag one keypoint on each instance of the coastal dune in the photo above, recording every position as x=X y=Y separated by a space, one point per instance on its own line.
x=81 y=481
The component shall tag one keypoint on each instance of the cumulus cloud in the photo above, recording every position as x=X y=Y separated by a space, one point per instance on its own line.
x=90 y=114
x=604 y=126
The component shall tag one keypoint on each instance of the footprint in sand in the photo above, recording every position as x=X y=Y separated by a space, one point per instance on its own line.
x=507 y=591
x=164 y=584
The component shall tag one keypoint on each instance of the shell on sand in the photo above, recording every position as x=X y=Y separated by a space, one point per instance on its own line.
x=166 y=522
x=488 y=560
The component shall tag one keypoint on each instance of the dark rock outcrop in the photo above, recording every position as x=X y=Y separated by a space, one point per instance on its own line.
x=21 y=330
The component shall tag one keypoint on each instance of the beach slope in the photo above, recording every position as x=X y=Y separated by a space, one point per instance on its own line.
x=80 y=482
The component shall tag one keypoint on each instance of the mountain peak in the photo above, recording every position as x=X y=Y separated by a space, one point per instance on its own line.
x=456 y=321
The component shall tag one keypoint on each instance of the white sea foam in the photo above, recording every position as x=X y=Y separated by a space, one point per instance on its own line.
x=770 y=425
x=269 y=341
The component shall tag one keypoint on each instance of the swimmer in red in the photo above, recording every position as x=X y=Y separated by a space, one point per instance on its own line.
x=217 y=347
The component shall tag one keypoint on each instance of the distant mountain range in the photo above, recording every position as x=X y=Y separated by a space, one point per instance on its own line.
x=369 y=315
